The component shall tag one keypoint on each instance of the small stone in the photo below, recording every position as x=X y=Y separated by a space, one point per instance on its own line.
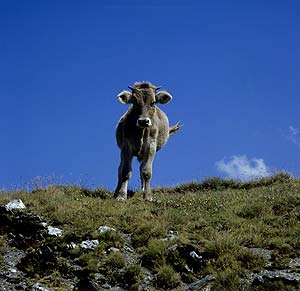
x=113 y=250
x=104 y=228
x=187 y=268
x=171 y=236
x=265 y=254
x=100 y=277
x=267 y=276
x=198 y=285
x=40 y=287
x=71 y=246
x=55 y=231
x=12 y=273
x=106 y=286
x=15 y=204
x=195 y=256
x=294 y=263
x=128 y=249
x=12 y=270
x=89 y=244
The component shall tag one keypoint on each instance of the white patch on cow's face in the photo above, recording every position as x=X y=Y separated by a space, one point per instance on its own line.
x=143 y=122
x=125 y=97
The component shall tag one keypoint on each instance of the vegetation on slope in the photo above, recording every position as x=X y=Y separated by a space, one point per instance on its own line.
x=221 y=220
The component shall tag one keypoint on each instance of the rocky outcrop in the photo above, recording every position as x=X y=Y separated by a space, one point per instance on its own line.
x=35 y=249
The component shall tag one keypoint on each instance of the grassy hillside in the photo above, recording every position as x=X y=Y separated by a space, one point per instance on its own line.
x=221 y=221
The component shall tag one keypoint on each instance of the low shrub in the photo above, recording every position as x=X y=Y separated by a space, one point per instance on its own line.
x=145 y=232
x=115 y=260
x=133 y=275
x=166 y=277
x=154 y=254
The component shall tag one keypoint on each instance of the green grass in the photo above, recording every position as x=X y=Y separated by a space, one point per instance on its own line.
x=166 y=277
x=133 y=275
x=3 y=243
x=221 y=218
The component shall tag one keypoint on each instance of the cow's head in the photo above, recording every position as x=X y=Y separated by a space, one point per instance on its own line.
x=143 y=97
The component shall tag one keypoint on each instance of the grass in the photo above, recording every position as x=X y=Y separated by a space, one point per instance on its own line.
x=220 y=218
x=3 y=243
x=166 y=277
x=133 y=275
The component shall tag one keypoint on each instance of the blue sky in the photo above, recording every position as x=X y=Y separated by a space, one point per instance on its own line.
x=233 y=68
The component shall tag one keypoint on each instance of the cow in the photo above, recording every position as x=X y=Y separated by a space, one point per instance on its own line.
x=141 y=132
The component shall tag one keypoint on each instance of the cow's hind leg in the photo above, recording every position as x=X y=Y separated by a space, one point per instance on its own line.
x=124 y=174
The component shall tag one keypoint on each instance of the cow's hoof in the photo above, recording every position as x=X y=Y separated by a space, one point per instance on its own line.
x=148 y=198
x=121 y=198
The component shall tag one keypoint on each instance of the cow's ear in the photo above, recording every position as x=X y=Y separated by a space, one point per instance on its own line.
x=125 y=97
x=163 y=97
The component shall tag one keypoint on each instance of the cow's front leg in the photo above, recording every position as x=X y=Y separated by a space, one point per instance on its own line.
x=124 y=174
x=146 y=170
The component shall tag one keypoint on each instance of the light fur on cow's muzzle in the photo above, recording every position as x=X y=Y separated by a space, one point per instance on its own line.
x=143 y=122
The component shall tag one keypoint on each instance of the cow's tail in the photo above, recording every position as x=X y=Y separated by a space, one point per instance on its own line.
x=173 y=129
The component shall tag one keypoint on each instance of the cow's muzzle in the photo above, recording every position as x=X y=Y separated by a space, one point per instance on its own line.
x=143 y=122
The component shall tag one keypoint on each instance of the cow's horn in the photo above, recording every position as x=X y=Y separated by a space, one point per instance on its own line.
x=157 y=87
x=131 y=88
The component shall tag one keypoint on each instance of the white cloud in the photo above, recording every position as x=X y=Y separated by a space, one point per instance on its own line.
x=293 y=135
x=242 y=168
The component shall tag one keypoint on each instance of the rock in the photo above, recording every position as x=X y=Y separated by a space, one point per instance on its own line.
x=21 y=224
x=13 y=257
x=171 y=236
x=208 y=288
x=200 y=284
x=40 y=287
x=270 y=276
x=265 y=254
x=195 y=256
x=87 y=285
x=147 y=279
x=15 y=204
x=128 y=249
x=71 y=246
x=100 y=277
x=294 y=263
x=54 y=231
x=106 y=286
x=9 y=286
x=89 y=244
x=104 y=228
x=113 y=250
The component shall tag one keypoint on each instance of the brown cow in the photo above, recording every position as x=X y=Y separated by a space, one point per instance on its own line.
x=141 y=132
